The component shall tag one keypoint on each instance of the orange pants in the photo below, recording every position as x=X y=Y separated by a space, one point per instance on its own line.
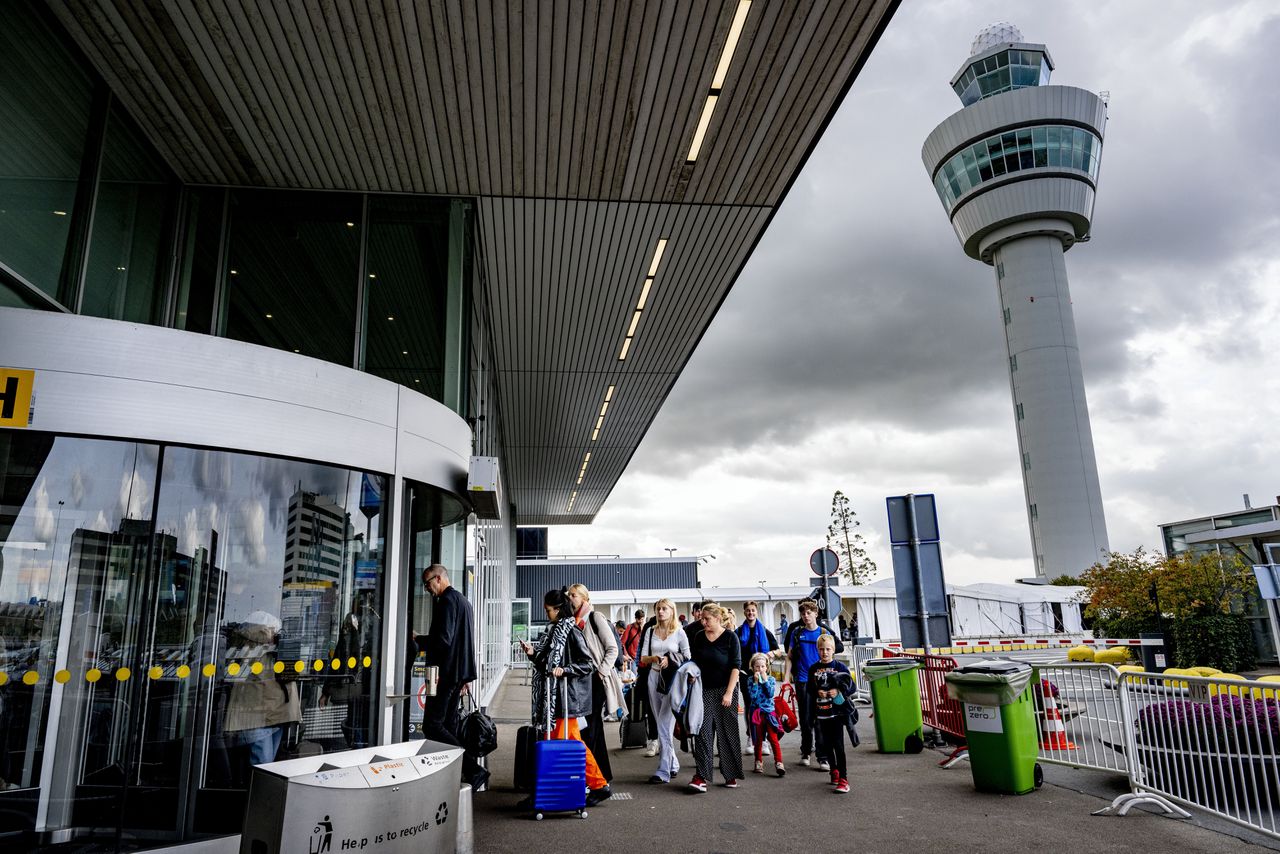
x=595 y=779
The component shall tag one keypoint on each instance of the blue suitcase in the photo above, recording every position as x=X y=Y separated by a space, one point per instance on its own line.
x=559 y=773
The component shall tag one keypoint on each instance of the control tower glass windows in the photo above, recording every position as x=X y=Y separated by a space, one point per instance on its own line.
x=1002 y=72
x=1051 y=146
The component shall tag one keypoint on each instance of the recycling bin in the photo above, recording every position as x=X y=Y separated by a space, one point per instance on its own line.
x=895 y=704
x=999 y=725
x=392 y=798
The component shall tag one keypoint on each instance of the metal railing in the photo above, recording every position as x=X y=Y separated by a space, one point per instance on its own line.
x=1079 y=719
x=1206 y=742
x=939 y=710
x=861 y=655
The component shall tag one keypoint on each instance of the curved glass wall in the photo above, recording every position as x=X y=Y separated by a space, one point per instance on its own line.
x=1002 y=72
x=170 y=617
x=1050 y=146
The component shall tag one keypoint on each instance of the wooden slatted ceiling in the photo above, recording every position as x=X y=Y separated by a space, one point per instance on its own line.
x=568 y=121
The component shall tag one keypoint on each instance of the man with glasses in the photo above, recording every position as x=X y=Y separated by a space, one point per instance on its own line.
x=450 y=646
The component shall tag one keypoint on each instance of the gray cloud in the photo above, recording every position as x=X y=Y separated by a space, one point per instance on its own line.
x=859 y=315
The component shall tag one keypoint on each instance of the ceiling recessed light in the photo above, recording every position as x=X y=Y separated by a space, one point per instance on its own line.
x=351 y=225
x=635 y=321
x=404 y=352
x=657 y=257
x=391 y=317
x=704 y=122
x=608 y=393
x=120 y=269
x=644 y=293
x=59 y=213
x=234 y=272
x=417 y=381
x=595 y=434
x=297 y=351
x=731 y=43
x=269 y=316
x=373 y=276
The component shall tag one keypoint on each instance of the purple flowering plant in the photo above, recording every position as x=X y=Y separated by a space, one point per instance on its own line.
x=1224 y=723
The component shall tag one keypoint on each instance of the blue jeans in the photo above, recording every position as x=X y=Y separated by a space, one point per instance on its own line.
x=263 y=743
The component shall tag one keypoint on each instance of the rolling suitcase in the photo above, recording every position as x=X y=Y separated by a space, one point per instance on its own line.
x=560 y=770
x=526 y=738
x=634 y=728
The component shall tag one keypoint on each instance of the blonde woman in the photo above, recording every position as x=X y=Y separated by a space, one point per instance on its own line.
x=719 y=657
x=665 y=648
x=606 y=684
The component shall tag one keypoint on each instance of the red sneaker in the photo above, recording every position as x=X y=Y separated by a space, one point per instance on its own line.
x=731 y=784
x=835 y=778
x=698 y=784
x=842 y=788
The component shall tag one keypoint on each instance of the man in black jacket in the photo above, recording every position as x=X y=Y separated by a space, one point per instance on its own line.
x=449 y=645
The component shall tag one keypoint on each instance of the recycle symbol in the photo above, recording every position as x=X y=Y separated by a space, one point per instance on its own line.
x=442 y=814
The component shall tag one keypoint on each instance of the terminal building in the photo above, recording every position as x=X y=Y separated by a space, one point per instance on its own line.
x=272 y=277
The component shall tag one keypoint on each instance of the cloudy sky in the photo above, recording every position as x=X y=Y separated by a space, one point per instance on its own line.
x=861 y=350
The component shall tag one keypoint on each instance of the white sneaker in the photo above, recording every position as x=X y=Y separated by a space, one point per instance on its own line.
x=651 y=748
x=804 y=760
x=824 y=765
x=765 y=750
x=748 y=750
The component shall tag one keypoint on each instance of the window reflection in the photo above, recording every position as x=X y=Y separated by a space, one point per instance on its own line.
x=291 y=624
x=74 y=522
x=238 y=624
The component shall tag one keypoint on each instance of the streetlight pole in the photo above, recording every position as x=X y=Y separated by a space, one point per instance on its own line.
x=669 y=551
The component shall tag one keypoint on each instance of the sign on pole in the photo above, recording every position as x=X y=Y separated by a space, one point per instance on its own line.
x=923 y=615
x=824 y=563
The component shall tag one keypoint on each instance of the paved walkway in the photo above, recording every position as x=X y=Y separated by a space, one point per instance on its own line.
x=898 y=803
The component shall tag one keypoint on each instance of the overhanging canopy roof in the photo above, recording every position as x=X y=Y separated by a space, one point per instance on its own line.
x=571 y=124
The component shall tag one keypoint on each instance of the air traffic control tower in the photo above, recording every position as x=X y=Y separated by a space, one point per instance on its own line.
x=1016 y=170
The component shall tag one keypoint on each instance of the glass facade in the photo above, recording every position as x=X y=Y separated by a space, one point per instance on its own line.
x=1002 y=72
x=46 y=98
x=293 y=269
x=126 y=266
x=168 y=615
x=1046 y=147
x=171 y=616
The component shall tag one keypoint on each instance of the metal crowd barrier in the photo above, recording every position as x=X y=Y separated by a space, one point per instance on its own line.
x=940 y=711
x=861 y=655
x=1079 y=719
x=1208 y=743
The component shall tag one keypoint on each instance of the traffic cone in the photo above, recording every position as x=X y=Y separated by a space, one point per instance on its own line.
x=1054 y=734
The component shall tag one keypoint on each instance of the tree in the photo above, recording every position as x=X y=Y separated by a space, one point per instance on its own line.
x=1065 y=580
x=843 y=537
x=1195 y=600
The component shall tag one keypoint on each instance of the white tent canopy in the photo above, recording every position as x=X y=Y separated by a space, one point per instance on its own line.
x=977 y=610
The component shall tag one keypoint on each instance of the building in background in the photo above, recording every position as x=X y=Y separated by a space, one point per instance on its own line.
x=1016 y=170
x=1252 y=534
x=270 y=275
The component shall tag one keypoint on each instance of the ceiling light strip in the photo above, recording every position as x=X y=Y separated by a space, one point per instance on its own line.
x=718 y=80
x=658 y=251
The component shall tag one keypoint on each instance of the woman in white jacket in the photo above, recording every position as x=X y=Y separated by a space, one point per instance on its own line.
x=666 y=647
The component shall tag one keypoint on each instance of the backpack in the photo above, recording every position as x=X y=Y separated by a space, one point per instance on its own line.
x=617 y=641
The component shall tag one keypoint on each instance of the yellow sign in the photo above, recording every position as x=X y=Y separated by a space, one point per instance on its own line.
x=15 y=396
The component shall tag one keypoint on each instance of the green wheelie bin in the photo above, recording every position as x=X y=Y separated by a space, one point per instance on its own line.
x=999 y=725
x=895 y=704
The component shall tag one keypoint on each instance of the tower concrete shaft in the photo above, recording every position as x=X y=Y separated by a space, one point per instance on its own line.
x=1017 y=171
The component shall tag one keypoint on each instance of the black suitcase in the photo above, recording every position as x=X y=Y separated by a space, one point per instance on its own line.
x=633 y=727
x=526 y=738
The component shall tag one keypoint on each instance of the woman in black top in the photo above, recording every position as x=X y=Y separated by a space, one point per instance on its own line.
x=719 y=657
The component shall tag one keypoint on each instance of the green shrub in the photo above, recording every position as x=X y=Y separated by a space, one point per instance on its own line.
x=1223 y=641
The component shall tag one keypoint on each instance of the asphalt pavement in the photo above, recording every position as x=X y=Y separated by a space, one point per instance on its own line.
x=897 y=802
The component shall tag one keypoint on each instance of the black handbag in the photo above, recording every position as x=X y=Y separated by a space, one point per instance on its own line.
x=476 y=730
x=666 y=677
